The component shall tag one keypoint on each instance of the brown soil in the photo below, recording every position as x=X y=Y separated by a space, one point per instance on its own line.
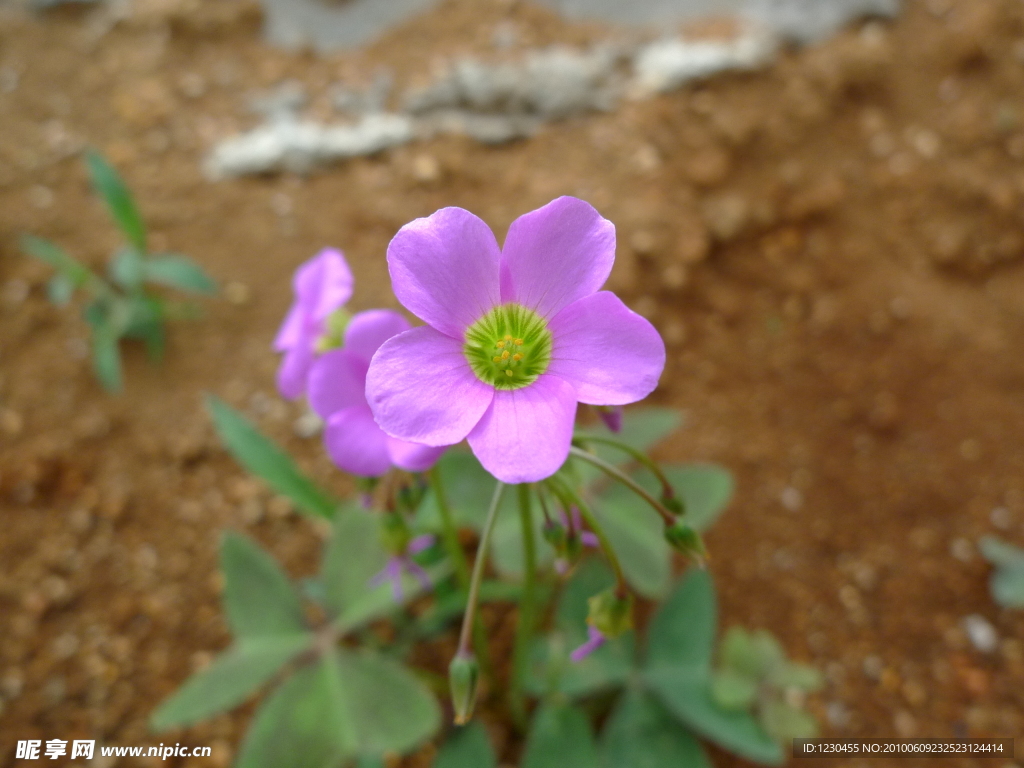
x=831 y=247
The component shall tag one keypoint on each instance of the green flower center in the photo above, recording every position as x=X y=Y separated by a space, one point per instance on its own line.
x=509 y=347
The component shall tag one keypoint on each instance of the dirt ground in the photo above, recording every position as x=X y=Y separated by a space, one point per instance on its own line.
x=832 y=248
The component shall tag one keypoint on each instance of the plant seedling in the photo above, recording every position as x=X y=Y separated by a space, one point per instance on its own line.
x=122 y=305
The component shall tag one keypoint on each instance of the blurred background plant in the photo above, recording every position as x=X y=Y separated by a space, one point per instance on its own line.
x=124 y=304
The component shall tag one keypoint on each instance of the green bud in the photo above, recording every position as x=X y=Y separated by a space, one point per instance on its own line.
x=611 y=613
x=685 y=539
x=463 y=675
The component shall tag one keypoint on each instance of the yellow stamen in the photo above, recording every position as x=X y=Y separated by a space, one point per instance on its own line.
x=508 y=337
x=500 y=345
x=497 y=359
x=504 y=355
x=517 y=357
x=519 y=342
x=508 y=371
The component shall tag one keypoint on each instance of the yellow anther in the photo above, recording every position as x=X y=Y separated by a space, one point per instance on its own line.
x=496 y=359
x=508 y=371
x=517 y=357
x=504 y=355
x=519 y=342
x=508 y=337
x=500 y=345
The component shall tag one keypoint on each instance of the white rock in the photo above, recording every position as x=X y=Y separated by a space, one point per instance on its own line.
x=981 y=633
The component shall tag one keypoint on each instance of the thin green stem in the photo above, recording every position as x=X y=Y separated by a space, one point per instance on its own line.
x=588 y=516
x=639 y=456
x=478 y=570
x=622 y=477
x=448 y=530
x=527 y=606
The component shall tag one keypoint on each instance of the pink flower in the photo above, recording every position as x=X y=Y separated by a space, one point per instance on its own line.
x=322 y=286
x=515 y=337
x=337 y=392
x=595 y=639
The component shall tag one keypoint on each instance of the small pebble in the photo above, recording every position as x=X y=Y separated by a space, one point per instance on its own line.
x=873 y=666
x=1001 y=518
x=308 y=425
x=792 y=499
x=41 y=197
x=837 y=714
x=426 y=168
x=981 y=633
x=962 y=550
x=65 y=646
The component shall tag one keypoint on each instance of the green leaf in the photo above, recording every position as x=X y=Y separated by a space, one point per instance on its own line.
x=690 y=701
x=799 y=676
x=378 y=602
x=641 y=734
x=560 y=737
x=178 y=271
x=60 y=289
x=678 y=671
x=232 y=677
x=733 y=690
x=1000 y=553
x=785 y=723
x=106 y=356
x=467 y=747
x=353 y=556
x=754 y=654
x=507 y=553
x=126 y=269
x=306 y=722
x=264 y=459
x=77 y=274
x=258 y=598
x=1007 y=582
x=682 y=633
x=390 y=710
x=637 y=535
x=109 y=186
x=705 y=490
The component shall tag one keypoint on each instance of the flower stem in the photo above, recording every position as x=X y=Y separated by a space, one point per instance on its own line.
x=562 y=489
x=638 y=456
x=458 y=558
x=478 y=570
x=451 y=535
x=622 y=477
x=527 y=606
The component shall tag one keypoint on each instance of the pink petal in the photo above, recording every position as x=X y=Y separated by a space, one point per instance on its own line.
x=557 y=255
x=420 y=543
x=294 y=370
x=324 y=283
x=337 y=380
x=421 y=388
x=525 y=434
x=610 y=354
x=366 y=331
x=291 y=331
x=413 y=457
x=356 y=444
x=444 y=269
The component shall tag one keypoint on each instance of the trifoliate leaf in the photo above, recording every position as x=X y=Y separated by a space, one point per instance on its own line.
x=176 y=271
x=229 y=680
x=641 y=734
x=560 y=737
x=466 y=747
x=259 y=599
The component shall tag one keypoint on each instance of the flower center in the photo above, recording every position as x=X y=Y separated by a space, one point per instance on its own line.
x=509 y=347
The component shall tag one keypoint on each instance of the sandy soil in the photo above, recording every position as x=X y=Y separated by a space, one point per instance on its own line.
x=832 y=249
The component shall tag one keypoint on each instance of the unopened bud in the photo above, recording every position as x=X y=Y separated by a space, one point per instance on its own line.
x=463 y=675
x=611 y=613
x=685 y=539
